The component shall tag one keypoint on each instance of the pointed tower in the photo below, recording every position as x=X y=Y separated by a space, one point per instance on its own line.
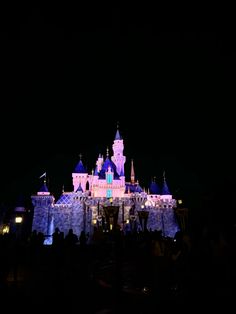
x=80 y=176
x=154 y=188
x=132 y=175
x=165 y=189
x=118 y=158
x=43 y=203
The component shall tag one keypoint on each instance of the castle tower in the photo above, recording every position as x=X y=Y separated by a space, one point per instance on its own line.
x=99 y=162
x=80 y=176
x=118 y=158
x=132 y=175
x=43 y=205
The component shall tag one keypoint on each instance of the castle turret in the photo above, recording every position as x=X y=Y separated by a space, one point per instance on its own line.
x=132 y=175
x=43 y=203
x=80 y=176
x=118 y=158
x=165 y=189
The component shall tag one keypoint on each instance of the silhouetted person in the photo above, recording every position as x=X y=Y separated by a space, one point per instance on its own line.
x=82 y=239
x=56 y=238
x=71 y=239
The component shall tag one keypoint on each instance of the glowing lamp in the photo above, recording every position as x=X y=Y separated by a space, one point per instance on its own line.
x=180 y=202
x=18 y=220
x=94 y=221
x=5 y=229
x=149 y=203
x=142 y=206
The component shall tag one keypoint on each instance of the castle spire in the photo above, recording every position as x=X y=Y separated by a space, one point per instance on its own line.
x=132 y=176
x=165 y=189
x=43 y=189
x=154 y=188
x=118 y=158
x=117 y=137
x=80 y=167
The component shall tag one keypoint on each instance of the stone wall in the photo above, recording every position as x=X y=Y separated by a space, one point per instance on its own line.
x=69 y=217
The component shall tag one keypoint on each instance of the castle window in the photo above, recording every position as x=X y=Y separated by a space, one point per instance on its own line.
x=109 y=178
x=109 y=193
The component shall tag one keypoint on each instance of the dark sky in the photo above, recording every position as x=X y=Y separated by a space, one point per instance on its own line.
x=69 y=74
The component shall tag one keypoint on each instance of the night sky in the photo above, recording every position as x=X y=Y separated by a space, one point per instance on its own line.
x=69 y=75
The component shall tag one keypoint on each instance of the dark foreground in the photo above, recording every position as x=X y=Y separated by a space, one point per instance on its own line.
x=141 y=273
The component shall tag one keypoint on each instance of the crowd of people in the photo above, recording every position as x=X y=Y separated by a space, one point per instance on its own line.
x=109 y=266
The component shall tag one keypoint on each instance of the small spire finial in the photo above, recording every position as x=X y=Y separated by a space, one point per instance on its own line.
x=132 y=176
x=107 y=152
x=80 y=156
x=117 y=126
x=63 y=188
x=164 y=175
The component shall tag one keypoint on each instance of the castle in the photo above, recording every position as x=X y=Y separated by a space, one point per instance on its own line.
x=106 y=200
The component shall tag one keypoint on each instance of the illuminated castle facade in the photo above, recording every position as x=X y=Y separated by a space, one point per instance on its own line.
x=106 y=200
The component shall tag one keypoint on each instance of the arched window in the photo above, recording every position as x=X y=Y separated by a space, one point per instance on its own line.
x=87 y=186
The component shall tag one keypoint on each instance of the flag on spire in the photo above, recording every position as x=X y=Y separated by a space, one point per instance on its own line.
x=43 y=175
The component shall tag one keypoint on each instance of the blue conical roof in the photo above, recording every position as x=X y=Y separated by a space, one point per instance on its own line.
x=80 y=168
x=133 y=188
x=108 y=163
x=165 y=189
x=118 y=137
x=138 y=189
x=44 y=188
x=154 y=188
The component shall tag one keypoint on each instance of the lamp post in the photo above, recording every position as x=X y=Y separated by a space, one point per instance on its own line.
x=111 y=213
x=18 y=222
x=132 y=222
